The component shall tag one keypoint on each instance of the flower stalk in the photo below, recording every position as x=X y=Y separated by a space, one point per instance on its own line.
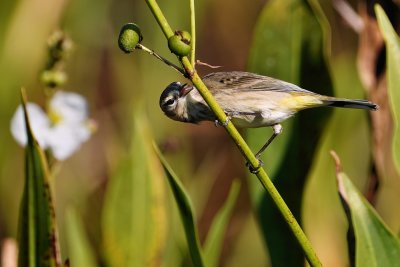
x=193 y=33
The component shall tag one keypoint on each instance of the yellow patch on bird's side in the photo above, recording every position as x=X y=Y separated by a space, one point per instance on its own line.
x=298 y=101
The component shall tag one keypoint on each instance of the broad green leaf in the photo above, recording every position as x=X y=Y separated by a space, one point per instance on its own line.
x=134 y=222
x=215 y=236
x=186 y=211
x=37 y=236
x=290 y=43
x=392 y=42
x=80 y=252
x=376 y=245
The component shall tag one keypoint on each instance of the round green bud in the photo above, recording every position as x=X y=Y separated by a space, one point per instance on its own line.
x=179 y=43
x=186 y=37
x=129 y=37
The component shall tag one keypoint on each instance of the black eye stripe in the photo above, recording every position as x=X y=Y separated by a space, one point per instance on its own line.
x=169 y=102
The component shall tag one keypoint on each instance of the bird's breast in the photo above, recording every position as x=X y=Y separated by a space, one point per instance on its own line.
x=264 y=119
x=253 y=109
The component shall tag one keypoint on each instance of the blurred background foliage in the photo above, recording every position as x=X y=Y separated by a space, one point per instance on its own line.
x=316 y=45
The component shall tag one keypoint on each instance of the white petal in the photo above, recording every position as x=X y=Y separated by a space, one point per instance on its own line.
x=64 y=139
x=82 y=132
x=39 y=123
x=71 y=107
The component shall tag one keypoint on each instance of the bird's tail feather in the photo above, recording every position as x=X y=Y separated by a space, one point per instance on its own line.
x=347 y=103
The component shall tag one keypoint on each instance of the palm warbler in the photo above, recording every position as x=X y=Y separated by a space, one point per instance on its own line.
x=249 y=100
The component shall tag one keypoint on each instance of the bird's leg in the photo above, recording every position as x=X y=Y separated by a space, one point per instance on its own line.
x=277 y=128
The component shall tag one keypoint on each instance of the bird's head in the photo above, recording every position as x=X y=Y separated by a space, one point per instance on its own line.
x=173 y=101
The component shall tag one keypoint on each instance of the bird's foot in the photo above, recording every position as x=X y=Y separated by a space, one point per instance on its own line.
x=225 y=123
x=255 y=170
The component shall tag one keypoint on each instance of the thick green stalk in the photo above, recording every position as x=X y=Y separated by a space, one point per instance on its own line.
x=241 y=144
x=155 y=9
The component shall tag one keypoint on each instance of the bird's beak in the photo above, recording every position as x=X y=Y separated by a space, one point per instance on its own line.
x=185 y=90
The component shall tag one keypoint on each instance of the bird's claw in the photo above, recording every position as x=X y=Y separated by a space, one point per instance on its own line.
x=256 y=169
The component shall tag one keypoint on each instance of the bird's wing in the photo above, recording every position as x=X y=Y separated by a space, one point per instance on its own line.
x=245 y=81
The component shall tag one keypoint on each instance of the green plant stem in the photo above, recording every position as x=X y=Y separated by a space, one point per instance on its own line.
x=160 y=18
x=193 y=33
x=241 y=144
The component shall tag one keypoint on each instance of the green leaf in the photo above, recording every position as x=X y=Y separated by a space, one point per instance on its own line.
x=290 y=43
x=376 y=245
x=80 y=251
x=37 y=236
x=215 y=236
x=186 y=211
x=392 y=42
x=134 y=222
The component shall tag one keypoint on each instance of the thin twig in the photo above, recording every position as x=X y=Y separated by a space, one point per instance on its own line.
x=166 y=61
x=193 y=33
x=201 y=63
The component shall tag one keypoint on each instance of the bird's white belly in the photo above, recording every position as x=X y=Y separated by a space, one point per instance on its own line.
x=261 y=120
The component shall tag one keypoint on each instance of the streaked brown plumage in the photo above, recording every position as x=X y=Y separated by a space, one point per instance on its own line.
x=249 y=100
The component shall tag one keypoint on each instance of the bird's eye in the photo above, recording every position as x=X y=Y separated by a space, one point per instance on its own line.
x=169 y=102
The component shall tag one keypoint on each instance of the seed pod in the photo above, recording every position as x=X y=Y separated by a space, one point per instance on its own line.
x=129 y=37
x=179 y=43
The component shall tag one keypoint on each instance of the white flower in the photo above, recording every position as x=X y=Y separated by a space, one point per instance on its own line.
x=62 y=130
x=40 y=124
